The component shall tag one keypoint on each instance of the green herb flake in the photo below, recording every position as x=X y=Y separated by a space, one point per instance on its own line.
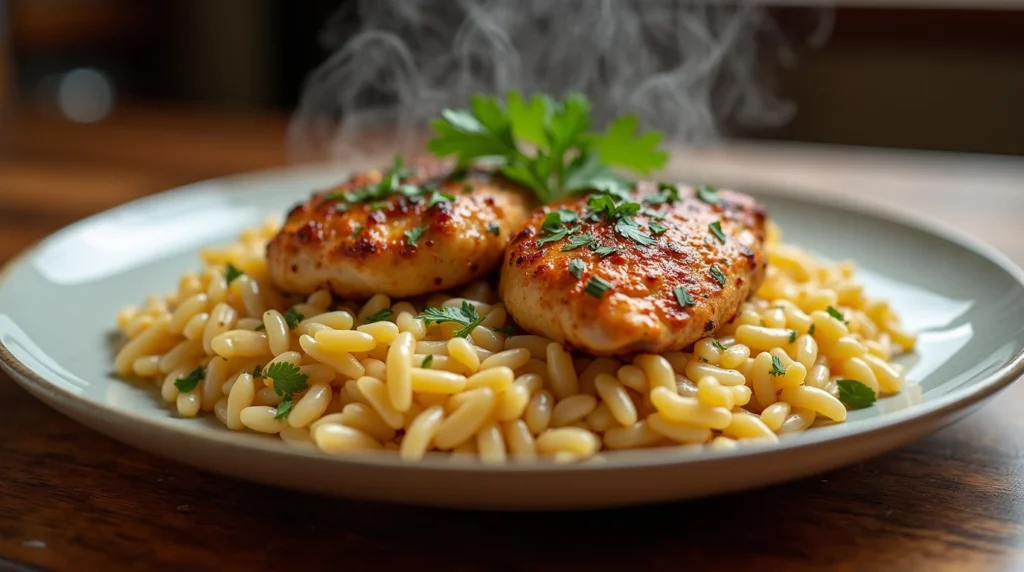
x=494 y=228
x=708 y=194
x=656 y=228
x=597 y=286
x=288 y=380
x=257 y=371
x=292 y=317
x=358 y=229
x=378 y=205
x=628 y=228
x=467 y=188
x=465 y=316
x=381 y=316
x=603 y=251
x=414 y=234
x=577 y=242
x=855 y=394
x=835 y=313
x=792 y=336
x=190 y=381
x=667 y=193
x=718 y=276
x=719 y=345
x=555 y=234
x=716 y=229
x=683 y=297
x=810 y=332
x=576 y=266
x=438 y=197
x=284 y=408
x=427 y=361
x=231 y=272
x=777 y=368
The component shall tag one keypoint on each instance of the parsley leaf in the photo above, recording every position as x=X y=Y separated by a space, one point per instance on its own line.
x=777 y=368
x=439 y=197
x=465 y=316
x=657 y=215
x=545 y=144
x=358 y=229
x=656 y=228
x=292 y=317
x=719 y=345
x=190 y=381
x=811 y=330
x=378 y=205
x=555 y=234
x=855 y=394
x=597 y=286
x=683 y=296
x=603 y=251
x=577 y=241
x=284 y=408
x=389 y=183
x=708 y=194
x=835 y=313
x=288 y=380
x=380 y=316
x=716 y=229
x=257 y=371
x=414 y=234
x=628 y=228
x=792 y=336
x=231 y=272
x=494 y=228
x=576 y=266
x=427 y=361
x=668 y=193
x=718 y=276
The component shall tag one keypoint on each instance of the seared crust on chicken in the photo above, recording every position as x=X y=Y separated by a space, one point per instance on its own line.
x=397 y=245
x=640 y=311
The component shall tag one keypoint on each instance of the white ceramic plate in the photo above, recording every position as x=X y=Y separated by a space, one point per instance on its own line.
x=58 y=300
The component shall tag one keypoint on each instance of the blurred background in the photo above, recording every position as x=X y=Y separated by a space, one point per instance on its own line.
x=943 y=75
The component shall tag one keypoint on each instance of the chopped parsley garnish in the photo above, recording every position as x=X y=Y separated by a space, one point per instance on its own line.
x=547 y=145
x=427 y=361
x=718 y=276
x=703 y=359
x=465 y=316
x=389 y=183
x=716 y=229
x=288 y=380
x=414 y=234
x=576 y=266
x=284 y=408
x=603 y=251
x=835 y=313
x=683 y=296
x=719 y=345
x=494 y=228
x=792 y=336
x=555 y=234
x=657 y=215
x=777 y=368
x=656 y=228
x=257 y=371
x=508 y=330
x=467 y=187
x=341 y=207
x=231 y=272
x=577 y=241
x=597 y=286
x=439 y=197
x=708 y=194
x=628 y=228
x=358 y=229
x=380 y=316
x=855 y=394
x=190 y=381
x=811 y=331
x=378 y=205
x=667 y=193
x=292 y=317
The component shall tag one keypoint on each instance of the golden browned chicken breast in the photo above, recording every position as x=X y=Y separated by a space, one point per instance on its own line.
x=401 y=232
x=651 y=271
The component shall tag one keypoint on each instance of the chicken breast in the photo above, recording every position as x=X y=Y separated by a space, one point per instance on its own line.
x=619 y=283
x=423 y=231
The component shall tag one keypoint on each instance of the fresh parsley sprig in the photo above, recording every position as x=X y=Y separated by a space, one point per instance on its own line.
x=288 y=381
x=465 y=316
x=547 y=145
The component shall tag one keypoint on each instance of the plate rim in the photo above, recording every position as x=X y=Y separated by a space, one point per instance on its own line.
x=962 y=398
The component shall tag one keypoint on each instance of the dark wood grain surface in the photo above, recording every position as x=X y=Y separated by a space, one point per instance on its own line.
x=71 y=499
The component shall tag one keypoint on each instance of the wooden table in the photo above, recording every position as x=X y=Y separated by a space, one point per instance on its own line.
x=72 y=499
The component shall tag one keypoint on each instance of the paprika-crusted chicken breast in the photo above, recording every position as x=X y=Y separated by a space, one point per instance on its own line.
x=620 y=283
x=422 y=232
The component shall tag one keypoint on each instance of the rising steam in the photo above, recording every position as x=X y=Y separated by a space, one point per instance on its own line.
x=681 y=66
